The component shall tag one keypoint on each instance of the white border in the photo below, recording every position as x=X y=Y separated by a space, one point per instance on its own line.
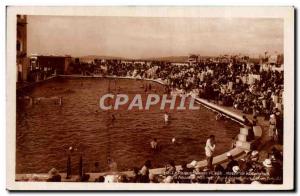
x=253 y=12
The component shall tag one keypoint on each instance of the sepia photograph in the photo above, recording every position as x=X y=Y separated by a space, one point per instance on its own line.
x=150 y=98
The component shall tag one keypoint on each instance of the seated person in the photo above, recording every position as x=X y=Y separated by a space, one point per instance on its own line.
x=54 y=176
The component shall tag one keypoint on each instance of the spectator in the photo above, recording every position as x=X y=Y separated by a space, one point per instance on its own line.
x=144 y=172
x=170 y=168
x=272 y=128
x=209 y=150
x=100 y=179
x=231 y=163
x=53 y=176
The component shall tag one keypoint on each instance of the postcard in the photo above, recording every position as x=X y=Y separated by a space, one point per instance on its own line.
x=150 y=98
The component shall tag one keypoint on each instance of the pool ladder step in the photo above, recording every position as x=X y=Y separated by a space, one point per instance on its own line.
x=243 y=137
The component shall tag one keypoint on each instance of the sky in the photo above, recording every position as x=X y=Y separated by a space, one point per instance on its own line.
x=145 y=37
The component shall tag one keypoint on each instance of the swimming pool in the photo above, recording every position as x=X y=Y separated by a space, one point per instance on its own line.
x=46 y=130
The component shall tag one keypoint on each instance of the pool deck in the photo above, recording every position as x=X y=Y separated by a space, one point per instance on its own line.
x=229 y=112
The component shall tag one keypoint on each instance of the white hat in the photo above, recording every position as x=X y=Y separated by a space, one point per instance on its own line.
x=273 y=158
x=255 y=182
x=272 y=116
x=53 y=172
x=235 y=169
x=151 y=176
x=192 y=164
x=267 y=163
x=228 y=154
x=254 y=153
x=193 y=176
x=111 y=178
x=168 y=179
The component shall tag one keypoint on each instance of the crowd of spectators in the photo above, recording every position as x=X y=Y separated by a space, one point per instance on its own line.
x=250 y=169
x=249 y=87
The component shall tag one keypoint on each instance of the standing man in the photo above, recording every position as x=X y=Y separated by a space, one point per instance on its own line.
x=19 y=72
x=272 y=128
x=209 y=150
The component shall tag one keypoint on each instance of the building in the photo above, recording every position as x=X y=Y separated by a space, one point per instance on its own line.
x=193 y=59
x=280 y=59
x=43 y=66
x=21 y=47
x=272 y=61
x=180 y=64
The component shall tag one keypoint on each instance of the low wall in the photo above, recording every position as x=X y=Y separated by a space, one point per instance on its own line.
x=219 y=159
x=26 y=87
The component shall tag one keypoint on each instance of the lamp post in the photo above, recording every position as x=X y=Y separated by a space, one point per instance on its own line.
x=69 y=165
x=80 y=166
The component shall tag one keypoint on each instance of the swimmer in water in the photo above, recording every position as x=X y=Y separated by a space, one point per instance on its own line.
x=166 y=117
x=38 y=100
x=113 y=118
x=71 y=149
x=112 y=165
x=173 y=140
x=60 y=101
x=153 y=144
x=219 y=116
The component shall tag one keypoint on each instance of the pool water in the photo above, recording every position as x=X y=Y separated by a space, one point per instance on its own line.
x=46 y=130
